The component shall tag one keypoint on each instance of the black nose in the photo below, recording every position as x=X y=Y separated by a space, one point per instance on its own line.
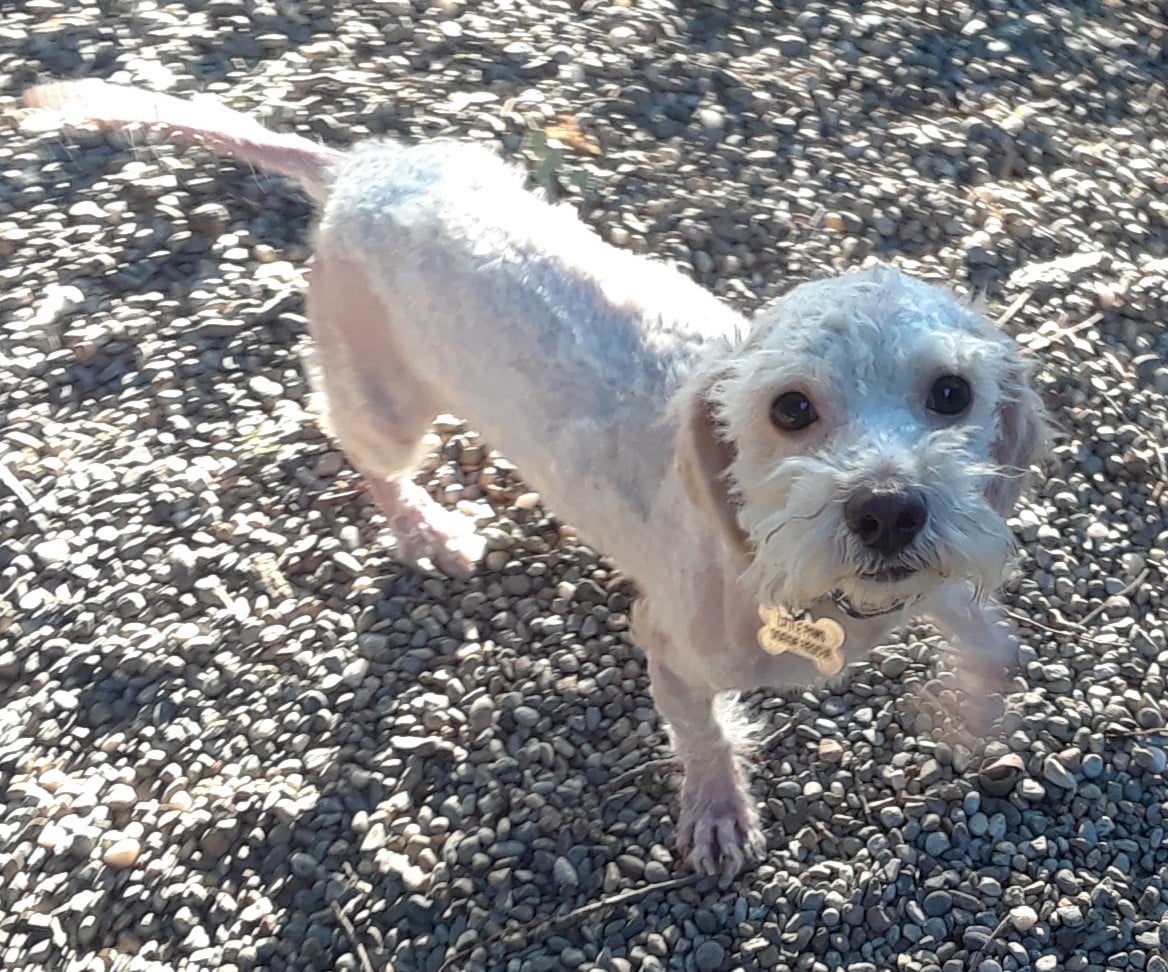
x=886 y=519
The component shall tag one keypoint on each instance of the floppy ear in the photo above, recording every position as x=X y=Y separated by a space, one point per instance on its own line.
x=1021 y=438
x=703 y=458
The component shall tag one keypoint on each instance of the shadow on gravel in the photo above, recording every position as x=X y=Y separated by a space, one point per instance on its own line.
x=375 y=816
x=84 y=46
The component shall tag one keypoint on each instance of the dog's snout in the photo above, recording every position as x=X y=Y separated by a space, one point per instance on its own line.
x=886 y=520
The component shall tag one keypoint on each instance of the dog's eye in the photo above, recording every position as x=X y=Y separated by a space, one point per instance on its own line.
x=793 y=411
x=950 y=395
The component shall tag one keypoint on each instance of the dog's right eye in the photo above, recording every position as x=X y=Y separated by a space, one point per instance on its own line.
x=950 y=395
x=793 y=411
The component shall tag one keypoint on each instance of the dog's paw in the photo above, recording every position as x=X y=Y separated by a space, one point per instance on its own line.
x=446 y=538
x=717 y=829
x=426 y=530
x=975 y=701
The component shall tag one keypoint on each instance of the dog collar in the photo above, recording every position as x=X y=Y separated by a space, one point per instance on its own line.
x=840 y=600
x=818 y=640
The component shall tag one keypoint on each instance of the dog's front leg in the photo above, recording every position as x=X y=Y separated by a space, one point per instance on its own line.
x=717 y=828
x=988 y=650
x=978 y=627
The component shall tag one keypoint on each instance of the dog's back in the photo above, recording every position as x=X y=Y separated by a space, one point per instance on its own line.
x=442 y=285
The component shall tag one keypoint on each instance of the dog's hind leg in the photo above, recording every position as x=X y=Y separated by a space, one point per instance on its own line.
x=379 y=408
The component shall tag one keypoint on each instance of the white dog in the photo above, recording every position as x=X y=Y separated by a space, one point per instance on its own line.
x=782 y=497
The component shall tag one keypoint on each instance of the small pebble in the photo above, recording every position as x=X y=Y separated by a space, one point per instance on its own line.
x=1023 y=917
x=709 y=956
x=120 y=796
x=1054 y=772
x=122 y=853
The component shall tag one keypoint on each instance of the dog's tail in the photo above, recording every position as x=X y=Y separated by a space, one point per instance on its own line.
x=203 y=121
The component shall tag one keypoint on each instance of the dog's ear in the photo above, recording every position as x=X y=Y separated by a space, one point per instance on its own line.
x=703 y=458
x=1021 y=438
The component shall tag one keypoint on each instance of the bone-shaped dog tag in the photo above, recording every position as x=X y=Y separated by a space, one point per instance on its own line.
x=820 y=642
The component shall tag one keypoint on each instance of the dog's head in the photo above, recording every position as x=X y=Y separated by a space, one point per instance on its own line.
x=867 y=442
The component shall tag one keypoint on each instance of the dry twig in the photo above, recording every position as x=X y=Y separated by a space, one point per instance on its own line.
x=527 y=930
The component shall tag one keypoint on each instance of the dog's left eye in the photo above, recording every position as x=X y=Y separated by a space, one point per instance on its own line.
x=792 y=411
x=950 y=395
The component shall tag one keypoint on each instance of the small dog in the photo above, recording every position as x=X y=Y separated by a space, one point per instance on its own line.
x=782 y=494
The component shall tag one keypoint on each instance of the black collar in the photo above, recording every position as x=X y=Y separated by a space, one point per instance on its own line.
x=840 y=599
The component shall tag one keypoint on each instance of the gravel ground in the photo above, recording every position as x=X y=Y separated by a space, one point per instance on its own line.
x=235 y=734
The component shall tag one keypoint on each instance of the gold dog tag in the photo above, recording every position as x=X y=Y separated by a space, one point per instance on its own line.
x=820 y=642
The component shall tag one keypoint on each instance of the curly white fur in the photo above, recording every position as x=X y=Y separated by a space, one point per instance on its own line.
x=640 y=406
